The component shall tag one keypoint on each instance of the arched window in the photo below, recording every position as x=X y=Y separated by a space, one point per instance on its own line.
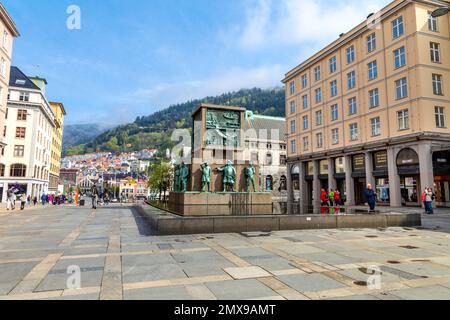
x=269 y=183
x=2 y=170
x=295 y=170
x=407 y=157
x=18 y=170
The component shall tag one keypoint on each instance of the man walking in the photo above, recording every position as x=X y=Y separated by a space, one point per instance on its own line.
x=371 y=198
x=429 y=197
x=10 y=200
x=94 y=195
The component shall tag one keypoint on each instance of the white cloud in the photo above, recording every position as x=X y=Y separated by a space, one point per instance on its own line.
x=148 y=100
x=271 y=23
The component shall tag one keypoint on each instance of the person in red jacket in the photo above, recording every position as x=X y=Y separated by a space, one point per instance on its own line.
x=324 y=201
x=337 y=197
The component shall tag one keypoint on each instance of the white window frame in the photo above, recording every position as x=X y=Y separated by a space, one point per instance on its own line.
x=401 y=88
x=372 y=70
x=375 y=124
x=433 y=23
x=293 y=127
x=335 y=136
x=334 y=112
x=354 y=135
x=440 y=116
x=305 y=121
x=305 y=102
x=351 y=80
x=399 y=58
x=403 y=119
x=437 y=84
x=333 y=65
x=319 y=118
x=293 y=107
x=371 y=43
x=318 y=92
x=352 y=106
x=374 y=98
x=398 y=28
x=305 y=143
x=351 y=54
x=319 y=140
x=435 y=52
x=304 y=81
x=317 y=73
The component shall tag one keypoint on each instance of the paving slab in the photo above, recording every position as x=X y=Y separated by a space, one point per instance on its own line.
x=247 y=273
x=240 y=290
x=425 y=293
x=310 y=282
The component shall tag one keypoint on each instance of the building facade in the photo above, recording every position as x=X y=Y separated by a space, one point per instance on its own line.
x=265 y=145
x=8 y=32
x=372 y=107
x=56 y=149
x=28 y=132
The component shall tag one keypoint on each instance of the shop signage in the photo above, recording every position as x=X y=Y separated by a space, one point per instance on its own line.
x=441 y=160
x=380 y=160
x=359 y=163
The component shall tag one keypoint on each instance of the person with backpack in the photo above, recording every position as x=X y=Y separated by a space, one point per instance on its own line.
x=331 y=198
x=337 y=197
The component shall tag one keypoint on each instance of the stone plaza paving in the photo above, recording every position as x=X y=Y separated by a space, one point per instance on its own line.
x=120 y=259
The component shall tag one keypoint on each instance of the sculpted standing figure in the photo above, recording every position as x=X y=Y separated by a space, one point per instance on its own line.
x=229 y=176
x=184 y=174
x=206 y=176
x=250 y=175
x=177 y=187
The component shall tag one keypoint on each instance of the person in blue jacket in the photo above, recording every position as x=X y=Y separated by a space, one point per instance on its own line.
x=371 y=197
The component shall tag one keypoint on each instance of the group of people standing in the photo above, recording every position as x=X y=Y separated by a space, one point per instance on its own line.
x=331 y=199
x=54 y=199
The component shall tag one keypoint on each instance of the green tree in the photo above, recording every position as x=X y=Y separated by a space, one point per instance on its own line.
x=160 y=178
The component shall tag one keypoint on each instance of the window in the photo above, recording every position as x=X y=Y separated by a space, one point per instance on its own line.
x=397 y=27
x=305 y=144
x=293 y=146
x=401 y=89
x=435 y=52
x=317 y=73
x=318 y=95
x=351 y=79
x=304 y=81
x=350 y=54
x=352 y=107
x=18 y=170
x=293 y=106
x=371 y=43
x=432 y=23
x=305 y=123
x=293 y=127
x=19 y=151
x=305 y=101
x=403 y=119
x=5 y=39
x=376 y=126
x=292 y=87
x=373 y=70
x=333 y=65
x=2 y=170
x=437 y=84
x=399 y=57
x=440 y=116
x=20 y=133
x=353 y=132
x=335 y=136
x=319 y=118
x=3 y=67
x=334 y=112
x=4 y=131
x=374 y=98
x=24 y=96
x=333 y=88
x=319 y=140
x=22 y=115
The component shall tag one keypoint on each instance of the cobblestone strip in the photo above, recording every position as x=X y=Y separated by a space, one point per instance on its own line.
x=35 y=276
x=112 y=286
x=239 y=262
x=283 y=290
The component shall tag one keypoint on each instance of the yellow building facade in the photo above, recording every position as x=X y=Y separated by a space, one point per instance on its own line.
x=373 y=107
x=56 y=150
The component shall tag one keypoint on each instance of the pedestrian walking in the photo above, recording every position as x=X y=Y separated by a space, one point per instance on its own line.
x=44 y=199
x=331 y=198
x=94 y=196
x=35 y=200
x=371 y=197
x=429 y=198
x=10 y=200
x=337 y=197
x=29 y=200
x=23 y=201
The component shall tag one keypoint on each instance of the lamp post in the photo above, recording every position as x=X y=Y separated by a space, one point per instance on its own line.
x=442 y=11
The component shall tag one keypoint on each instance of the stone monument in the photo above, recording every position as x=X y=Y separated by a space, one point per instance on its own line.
x=218 y=166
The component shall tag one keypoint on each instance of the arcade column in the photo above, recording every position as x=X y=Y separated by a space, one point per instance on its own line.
x=331 y=170
x=349 y=182
x=394 y=179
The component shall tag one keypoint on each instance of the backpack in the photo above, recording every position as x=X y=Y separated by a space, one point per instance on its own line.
x=423 y=196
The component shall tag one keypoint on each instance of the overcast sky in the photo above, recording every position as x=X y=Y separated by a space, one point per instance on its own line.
x=135 y=57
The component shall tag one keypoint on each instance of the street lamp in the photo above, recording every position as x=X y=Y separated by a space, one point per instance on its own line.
x=440 y=12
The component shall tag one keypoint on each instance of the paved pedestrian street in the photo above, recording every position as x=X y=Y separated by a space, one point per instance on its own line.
x=78 y=253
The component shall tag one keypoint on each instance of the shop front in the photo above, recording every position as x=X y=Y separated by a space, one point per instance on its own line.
x=381 y=175
x=441 y=170
x=339 y=175
x=359 y=177
x=408 y=167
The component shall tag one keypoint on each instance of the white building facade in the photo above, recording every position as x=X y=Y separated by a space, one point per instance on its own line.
x=28 y=133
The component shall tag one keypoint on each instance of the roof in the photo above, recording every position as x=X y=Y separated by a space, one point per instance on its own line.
x=216 y=106
x=19 y=80
x=9 y=22
x=258 y=123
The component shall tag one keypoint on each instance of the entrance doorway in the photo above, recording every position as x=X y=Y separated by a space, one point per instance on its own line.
x=410 y=190
x=360 y=188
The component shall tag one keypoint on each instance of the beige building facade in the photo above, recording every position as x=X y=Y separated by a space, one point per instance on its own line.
x=373 y=107
x=8 y=32
x=56 y=149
